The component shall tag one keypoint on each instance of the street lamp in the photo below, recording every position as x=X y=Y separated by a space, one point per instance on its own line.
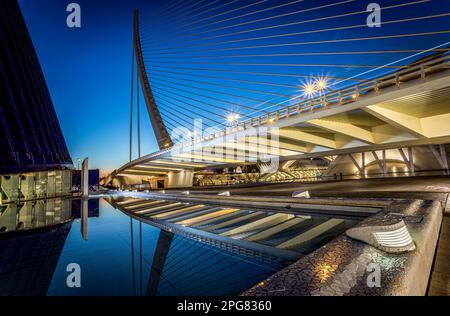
x=309 y=89
x=232 y=118
x=321 y=84
x=315 y=86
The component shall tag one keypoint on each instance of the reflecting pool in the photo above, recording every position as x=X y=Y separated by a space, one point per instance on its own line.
x=187 y=250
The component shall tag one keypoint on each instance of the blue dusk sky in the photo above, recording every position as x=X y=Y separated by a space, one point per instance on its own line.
x=206 y=58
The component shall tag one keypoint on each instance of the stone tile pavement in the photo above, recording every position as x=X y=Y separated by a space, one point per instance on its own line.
x=346 y=266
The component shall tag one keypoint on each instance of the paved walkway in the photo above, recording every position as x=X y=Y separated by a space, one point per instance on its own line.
x=440 y=278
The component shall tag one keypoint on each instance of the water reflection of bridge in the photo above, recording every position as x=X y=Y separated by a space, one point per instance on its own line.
x=265 y=240
x=182 y=266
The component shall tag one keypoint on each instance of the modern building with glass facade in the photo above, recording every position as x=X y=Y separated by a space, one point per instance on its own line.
x=34 y=159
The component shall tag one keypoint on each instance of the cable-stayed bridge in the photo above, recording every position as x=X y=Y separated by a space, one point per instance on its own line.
x=362 y=114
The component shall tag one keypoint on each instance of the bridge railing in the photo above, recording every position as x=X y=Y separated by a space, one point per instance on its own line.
x=344 y=96
x=352 y=93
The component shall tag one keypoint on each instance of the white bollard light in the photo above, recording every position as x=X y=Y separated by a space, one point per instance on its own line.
x=394 y=238
x=301 y=194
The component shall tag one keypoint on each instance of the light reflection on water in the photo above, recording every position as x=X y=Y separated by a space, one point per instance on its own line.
x=106 y=260
x=119 y=255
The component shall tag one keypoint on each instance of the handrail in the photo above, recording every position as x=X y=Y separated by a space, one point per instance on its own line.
x=352 y=93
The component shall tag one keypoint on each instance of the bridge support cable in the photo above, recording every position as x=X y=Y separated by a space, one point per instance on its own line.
x=186 y=16
x=169 y=105
x=189 y=10
x=238 y=9
x=204 y=117
x=195 y=7
x=172 y=125
x=185 y=260
x=187 y=103
x=162 y=253
x=287 y=65
x=315 y=31
x=202 y=258
x=178 y=253
x=329 y=90
x=299 y=54
x=216 y=276
x=175 y=251
x=225 y=86
x=184 y=123
x=186 y=276
x=221 y=93
x=172 y=111
x=183 y=28
x=214 y=99
x=270 y=74
x=329 y=41
x=217 y=252
x=264 y=83
x=176 y=124
x=195 y=100
x=240 y=16
x=189 y=16
x=303 y=10
x=298 y=98
x=186 y=37
x=169 y=113
x=253 y=99
x=186 y=4
x=171 y=6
